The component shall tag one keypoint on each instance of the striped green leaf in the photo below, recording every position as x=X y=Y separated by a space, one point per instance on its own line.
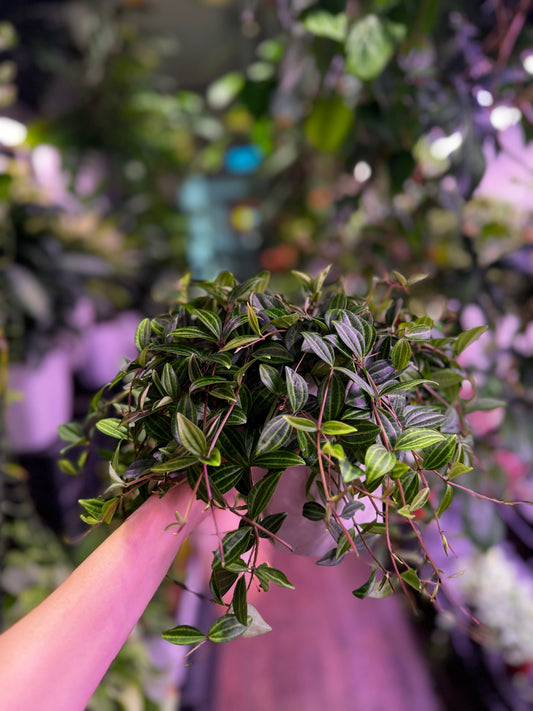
x=313 y=511
x=240 y=608
x=331 y=396
x=335 y=427
x=184 y=635
x=296 y=388
x=278 y=459
x=351 y=337
x=193 y=332
x=261 y=493
x=252 y=319
x=266 y=575
x=378 y=462
x=173 y=465
x=366 y=328
x=143 y=333
x=420 y=499
x=239 y=342
x=406 y=385
x=234 y=544
x=401 y=354
x=274 y=435
x=301 y=423
x=440 y=453
x=225 y=629
x=111 y=426
x=226 y=476
x=313 y=343
x=191 y=436
x=210 y=320
x=271 y=378
x=418 y=438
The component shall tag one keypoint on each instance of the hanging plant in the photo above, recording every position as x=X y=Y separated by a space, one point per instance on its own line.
x=237 y=390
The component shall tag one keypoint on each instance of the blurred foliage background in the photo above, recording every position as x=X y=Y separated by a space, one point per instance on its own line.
x=141 y=140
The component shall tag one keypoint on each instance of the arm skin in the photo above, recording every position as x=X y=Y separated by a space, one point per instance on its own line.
x=55 y=657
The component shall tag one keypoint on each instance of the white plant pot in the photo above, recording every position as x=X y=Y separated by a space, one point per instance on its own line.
x=106 y=345
x=41 y=400
x=307 y=538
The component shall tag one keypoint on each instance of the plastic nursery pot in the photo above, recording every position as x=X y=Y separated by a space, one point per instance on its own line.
x=55 y=657
x=305 y=537
x=42 y=397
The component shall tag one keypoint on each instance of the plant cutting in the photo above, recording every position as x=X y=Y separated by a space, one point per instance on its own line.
x=341 y=412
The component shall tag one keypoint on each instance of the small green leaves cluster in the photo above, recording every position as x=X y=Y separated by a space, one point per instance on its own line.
x=233 y=387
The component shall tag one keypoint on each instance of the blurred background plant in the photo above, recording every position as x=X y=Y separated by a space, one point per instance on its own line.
x=375 y=135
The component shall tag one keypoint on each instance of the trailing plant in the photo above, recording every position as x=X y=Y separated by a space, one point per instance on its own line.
x=236 y=385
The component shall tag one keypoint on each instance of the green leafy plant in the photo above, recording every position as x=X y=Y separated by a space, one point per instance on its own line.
x=236 y=385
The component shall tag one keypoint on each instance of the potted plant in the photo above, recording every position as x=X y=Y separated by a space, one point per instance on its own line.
x=340 y=412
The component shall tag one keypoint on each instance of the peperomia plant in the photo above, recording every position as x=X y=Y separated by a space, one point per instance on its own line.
x=236 y=386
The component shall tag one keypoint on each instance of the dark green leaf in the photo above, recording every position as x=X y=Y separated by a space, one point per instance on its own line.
x=446 y=500
x=261 y=493
x=366 y=433
x=272 y=523
x=366 y=588
x=273 y=353
x=232 y=446
x=331 y=396
x=271 y=378
x=220 y=582
x=226 y=476
x=234 y=544
x=267 y=575
x=278 y=459
x=363 y=384
x=240 y=607
x=466 y=338
x=313 y=511
x=225 y=629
